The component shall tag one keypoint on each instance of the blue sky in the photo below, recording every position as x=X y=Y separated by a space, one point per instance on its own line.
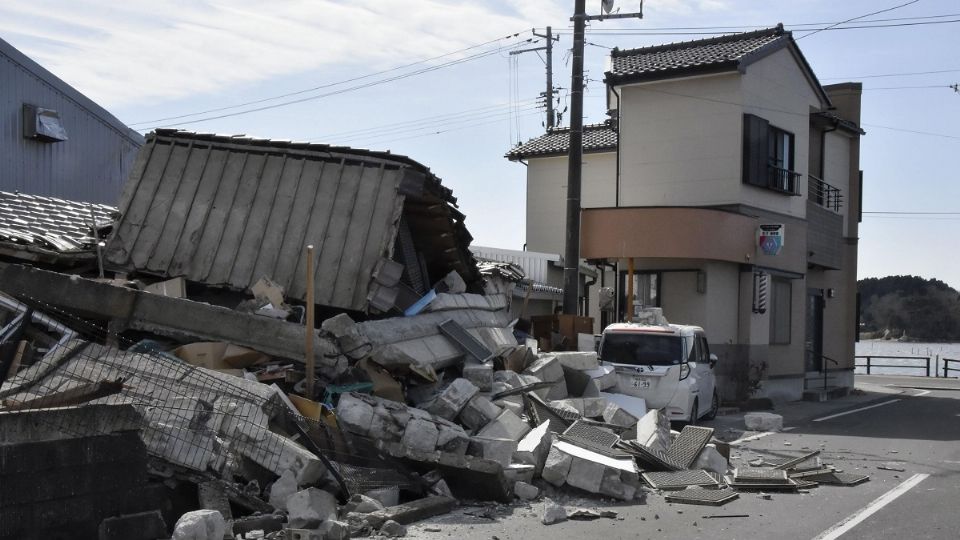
x=150 y=60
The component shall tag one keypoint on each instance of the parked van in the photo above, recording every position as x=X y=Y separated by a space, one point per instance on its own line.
x=670 y=366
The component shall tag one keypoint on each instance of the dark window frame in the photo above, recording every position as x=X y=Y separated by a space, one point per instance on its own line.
x=769 y=156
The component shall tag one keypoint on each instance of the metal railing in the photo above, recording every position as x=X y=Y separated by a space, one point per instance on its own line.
x=946 y=366
x=783 y=180
x=823 y=366
x=824 y=194
x=924 y=365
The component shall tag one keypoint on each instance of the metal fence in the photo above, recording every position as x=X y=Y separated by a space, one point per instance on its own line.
x=930 y=366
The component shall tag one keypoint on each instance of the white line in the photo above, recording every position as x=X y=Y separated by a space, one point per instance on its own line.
x=752 y=437
x=791 y=428
x=922 y=393
x=855 y=410
x=853 y=520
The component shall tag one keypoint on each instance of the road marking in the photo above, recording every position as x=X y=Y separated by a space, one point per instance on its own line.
x=855 y=519
x=922 y=393
x=856 y=410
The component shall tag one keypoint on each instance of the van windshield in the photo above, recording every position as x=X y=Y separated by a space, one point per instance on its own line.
x=642 y=349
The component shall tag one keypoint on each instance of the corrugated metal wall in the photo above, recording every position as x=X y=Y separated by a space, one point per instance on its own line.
x=91 y=166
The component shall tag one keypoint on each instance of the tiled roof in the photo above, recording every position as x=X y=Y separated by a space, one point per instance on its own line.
x=53 y=224
x=842 y=122
x=713 y=54
x=596 y=138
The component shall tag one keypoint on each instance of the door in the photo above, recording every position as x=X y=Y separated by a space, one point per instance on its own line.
x=814 y=333
x=703 y=373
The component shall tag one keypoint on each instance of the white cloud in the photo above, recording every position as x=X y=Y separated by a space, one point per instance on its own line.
x=122 y=53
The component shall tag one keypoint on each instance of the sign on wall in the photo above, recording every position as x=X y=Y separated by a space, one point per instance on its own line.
x=770 y=238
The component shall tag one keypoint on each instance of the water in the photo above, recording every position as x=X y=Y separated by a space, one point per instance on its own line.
x=935 y=351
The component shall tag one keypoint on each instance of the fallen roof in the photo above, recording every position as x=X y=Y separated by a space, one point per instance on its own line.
x=704 y=56
x=556 y=142
x=32 y=226
x=226 y=211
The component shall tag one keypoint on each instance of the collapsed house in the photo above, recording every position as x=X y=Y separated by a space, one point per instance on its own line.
x=191 y=350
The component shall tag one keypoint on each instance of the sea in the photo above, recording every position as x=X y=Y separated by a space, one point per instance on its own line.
x=935 y=351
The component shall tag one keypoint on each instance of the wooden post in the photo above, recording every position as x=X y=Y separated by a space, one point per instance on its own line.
x=630 y=289
x=310 y=326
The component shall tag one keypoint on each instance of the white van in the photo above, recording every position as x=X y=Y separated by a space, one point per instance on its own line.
x=669 y=366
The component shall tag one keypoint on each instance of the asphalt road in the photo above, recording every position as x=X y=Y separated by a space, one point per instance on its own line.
x=918 y=430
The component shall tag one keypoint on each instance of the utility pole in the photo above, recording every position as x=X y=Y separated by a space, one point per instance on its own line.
x=571 y=259
x=548 y=95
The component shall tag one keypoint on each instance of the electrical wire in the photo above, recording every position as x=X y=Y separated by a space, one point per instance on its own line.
x=906 y=74
x=905 y=4
x=740 y=28
x=345 y=81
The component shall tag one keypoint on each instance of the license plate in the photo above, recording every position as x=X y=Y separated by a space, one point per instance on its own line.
x=641 y=382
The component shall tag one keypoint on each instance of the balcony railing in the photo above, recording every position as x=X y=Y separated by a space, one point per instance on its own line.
x=824 y=194
x=783 y=180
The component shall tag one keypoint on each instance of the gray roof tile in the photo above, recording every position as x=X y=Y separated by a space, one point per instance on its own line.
x=703 y=54
x=596 y=138
x=50 y=223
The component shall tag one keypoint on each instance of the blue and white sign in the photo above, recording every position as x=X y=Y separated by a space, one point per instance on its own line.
x=770 y=238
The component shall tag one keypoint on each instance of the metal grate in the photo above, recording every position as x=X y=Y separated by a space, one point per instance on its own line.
x=465 y=340
x=584 y=431
x=839 y=479
x=678 y=479
x=760 y=476
x=790 y=463
x=805 y=484
x=687 y=446
x=764 y=486
x=655 y=459
x=707 y=497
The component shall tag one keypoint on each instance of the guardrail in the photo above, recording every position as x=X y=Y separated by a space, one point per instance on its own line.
x=924 y=366
x=946 y=366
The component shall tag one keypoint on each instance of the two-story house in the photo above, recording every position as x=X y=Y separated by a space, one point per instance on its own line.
x=727 y=188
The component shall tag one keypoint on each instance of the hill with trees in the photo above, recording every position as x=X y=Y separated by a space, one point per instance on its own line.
x=909 y=306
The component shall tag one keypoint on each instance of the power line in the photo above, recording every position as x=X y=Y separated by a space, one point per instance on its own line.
x=945 y=136
x=915 y=213
x=907 y=87
x=439 y=132
x=910 y=73
x=859 y=17
x=644 y=32
x=345 y=81
x=737 y=28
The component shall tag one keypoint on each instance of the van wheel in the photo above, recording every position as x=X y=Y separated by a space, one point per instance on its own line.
x=692 y=421
x=714 y=406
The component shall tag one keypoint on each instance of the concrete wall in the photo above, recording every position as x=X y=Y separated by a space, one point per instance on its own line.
x=547 y=196
x=836 y=169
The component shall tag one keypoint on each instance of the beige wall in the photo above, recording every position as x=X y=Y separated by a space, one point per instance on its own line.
x=836 y=169
x=547 y=196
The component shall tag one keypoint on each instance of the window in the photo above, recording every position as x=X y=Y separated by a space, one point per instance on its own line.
x=780 y=308
x=768 y=156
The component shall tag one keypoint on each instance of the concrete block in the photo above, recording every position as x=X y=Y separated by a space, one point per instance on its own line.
x=519 y=472
x=392 y=529
x=552 y=513
x=453 y=398
x=587 y=343
x=481 y=375
x=605 y=376
x=499 y=450
x=534 y=447
x=354 y=414
x=479 y=412
x=421 y=435
x=509 y=378
x=653 y=430
x=362 y=504
x=617 y=416
x=513 y=404
x=505 y=426
x=200 y=525
x=619 y=484
x=140 y=526
x=526 y=491
x=593 y=407
x=579 y=360
x=572 y=405
x=310 y=506
x=762 y=421
x=452 y=440
x=388 y=496
x=633 y=405
x=334 y=530
x=585 y=474
x=282 y=489
x=556 y=467
x=711 y=460
x=387 y=424
x=412 y=511
x=548 y=369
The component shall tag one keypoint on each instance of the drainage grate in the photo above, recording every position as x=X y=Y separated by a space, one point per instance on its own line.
x=839 y=479
x=707 y=497
x=764 y=486
x=653 y=458
x=687 y=446
x=584 y=431
x=760 y=476
x=678 y=479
